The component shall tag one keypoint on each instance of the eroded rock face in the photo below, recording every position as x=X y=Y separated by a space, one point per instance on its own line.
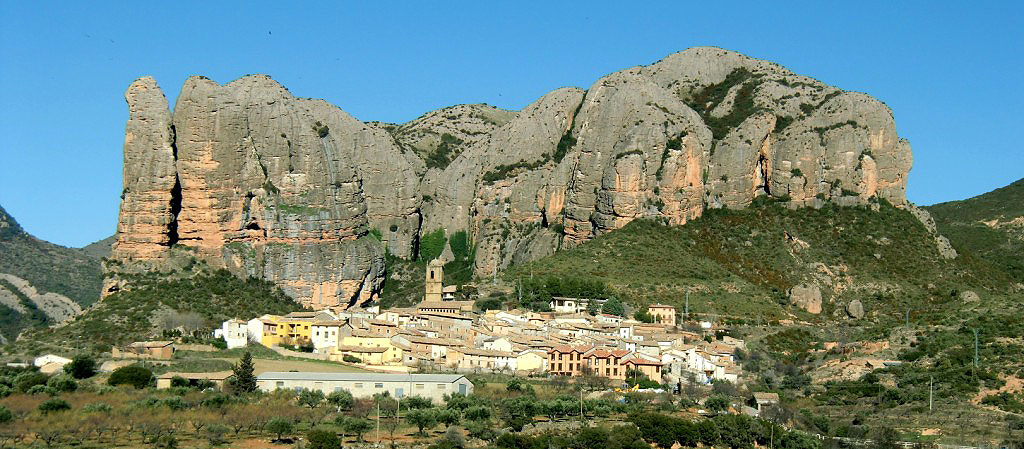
x=289 y=189
x=265 y=187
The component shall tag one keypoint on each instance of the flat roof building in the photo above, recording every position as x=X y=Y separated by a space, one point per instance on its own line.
x=364 y=385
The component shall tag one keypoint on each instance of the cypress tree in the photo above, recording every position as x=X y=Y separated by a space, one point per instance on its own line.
x=245 y=381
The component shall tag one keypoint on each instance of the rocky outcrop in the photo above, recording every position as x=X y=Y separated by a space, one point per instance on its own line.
x=855 y=309
x=57 y=308
x=265 y=185
x=290 y=189
x=146 y=224
x=807 y=297
x=942 y=244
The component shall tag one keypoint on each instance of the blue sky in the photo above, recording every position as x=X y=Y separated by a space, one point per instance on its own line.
x=951 y=72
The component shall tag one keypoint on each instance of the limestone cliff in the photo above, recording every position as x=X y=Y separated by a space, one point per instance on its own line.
x=288 y=189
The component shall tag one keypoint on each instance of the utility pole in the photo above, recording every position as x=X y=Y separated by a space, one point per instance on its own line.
x=975 y=348
x=907 y=320
x=581 y=406
x=931 y=380
x=687 y=309
x=378 y=422
x=519 y=297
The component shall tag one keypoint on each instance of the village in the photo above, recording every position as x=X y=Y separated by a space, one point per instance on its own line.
x=445 y=335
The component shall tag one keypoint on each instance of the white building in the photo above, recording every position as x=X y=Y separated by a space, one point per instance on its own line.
x=326 y=335
x=235 y=333
x=364 y=385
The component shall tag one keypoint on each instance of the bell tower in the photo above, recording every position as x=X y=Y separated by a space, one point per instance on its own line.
x=435 y=276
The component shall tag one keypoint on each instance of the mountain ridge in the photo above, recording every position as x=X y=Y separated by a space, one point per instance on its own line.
x=252 y=179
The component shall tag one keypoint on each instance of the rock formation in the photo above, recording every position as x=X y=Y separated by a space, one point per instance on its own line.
x=266 y=184
x=855 y=309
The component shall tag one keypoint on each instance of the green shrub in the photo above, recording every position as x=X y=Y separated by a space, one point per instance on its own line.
x=432 y=244
x=279 y=427
x=5 y=415
x=41 y=389
x=351 y=359
x=54 y=405
x=81 y=367
x=24 y=381
x=322 y=438
x=62 y=383
x=134 y=375
x=97 y=407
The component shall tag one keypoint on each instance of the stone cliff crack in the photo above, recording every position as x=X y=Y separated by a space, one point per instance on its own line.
x=175 y=202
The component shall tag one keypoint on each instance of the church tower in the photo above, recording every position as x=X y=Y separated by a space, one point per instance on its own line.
x=435 y=275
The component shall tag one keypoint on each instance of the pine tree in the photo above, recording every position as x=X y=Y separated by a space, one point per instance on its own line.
x=245 y=381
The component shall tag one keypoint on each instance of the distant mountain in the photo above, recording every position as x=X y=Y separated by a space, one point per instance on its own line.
x=99 y=248
x=991 y=225
x=42 y=283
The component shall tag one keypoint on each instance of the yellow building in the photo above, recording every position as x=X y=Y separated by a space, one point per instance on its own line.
x=532 y=361
x=282 y=330
x=366 y=339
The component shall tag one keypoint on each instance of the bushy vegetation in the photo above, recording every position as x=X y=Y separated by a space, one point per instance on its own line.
x=961 y=222
x=128 y=315
x=753 y=254
x=48 y=267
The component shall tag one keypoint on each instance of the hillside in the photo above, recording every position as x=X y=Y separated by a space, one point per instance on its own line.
x=196 y=297
x=990 y=225
x=41 y=283
x=742 y=263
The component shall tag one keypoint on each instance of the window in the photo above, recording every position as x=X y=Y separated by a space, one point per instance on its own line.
x=318 y=386
x=337 y=389
x=378 y=385
x=440 y=386
x=359 y=385
x=419 y=386
x=279 y=384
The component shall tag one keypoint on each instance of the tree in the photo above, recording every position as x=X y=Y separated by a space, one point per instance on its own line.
x=417 y=402
x=356 y=426
x=888 y=438
x=448 y=417
x=614 y=307
x=319 y=438
x=81 y=367
x=244 y=379
x=5 y=415
x=421 y=418
x=478 y=413
x=708 y=432
x=134 y=375
x=341 y=399
x=735 y=431
x=482 y=430
x=279 y=427
x=311 y=398
x=798 y=440
x=716 y=404
x=517 y=412
x=686 y=433
x=642 y=316
x=657 y=428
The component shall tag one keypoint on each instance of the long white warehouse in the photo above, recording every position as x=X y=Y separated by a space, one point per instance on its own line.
x=364 y=385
